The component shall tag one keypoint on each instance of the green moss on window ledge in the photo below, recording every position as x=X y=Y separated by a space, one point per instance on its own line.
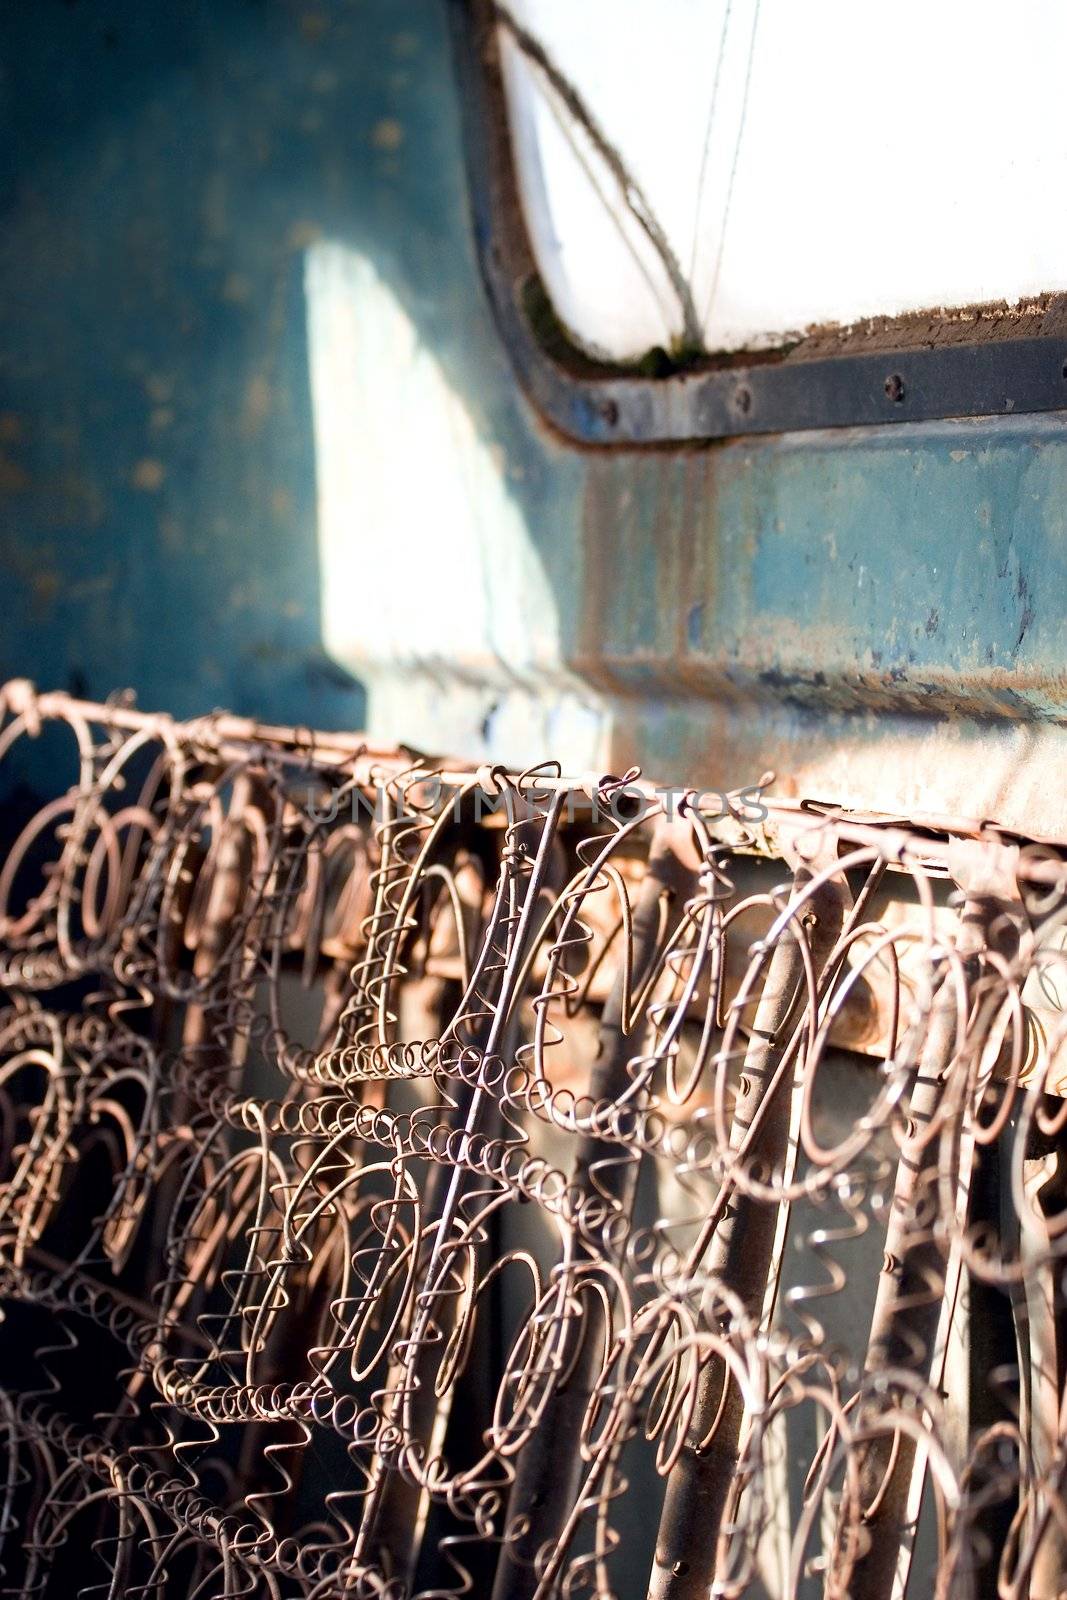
x=558 y=344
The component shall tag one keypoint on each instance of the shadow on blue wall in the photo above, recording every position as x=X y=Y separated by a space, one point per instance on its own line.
x=167 y=168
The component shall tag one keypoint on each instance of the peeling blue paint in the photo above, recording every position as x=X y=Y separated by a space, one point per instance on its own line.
x=169 y=167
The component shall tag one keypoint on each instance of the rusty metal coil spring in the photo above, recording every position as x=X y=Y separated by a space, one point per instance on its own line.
x=428 y=1181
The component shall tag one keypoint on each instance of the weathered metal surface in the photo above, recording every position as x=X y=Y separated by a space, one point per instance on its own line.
x=875 y=615
x=862 y=382
x=253 y=1262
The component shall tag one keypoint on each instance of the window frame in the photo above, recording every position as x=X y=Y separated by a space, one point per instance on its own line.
x=916 y=368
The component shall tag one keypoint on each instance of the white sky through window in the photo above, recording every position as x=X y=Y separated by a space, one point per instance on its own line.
x=807 y=162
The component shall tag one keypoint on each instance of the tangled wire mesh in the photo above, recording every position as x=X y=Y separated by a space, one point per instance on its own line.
x=428 y=1181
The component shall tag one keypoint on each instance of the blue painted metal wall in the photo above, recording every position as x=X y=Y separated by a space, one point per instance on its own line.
x=166 y=169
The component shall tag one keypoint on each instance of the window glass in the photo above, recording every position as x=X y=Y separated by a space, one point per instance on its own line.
x=731 y=173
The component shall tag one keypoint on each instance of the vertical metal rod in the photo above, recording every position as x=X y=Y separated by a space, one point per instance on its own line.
x=1046 y=1339
x=992 y=1347
x=550 y=1466
x=908 y=1302
x=740 y=1255
x=402 y=1507
x=472 y=1106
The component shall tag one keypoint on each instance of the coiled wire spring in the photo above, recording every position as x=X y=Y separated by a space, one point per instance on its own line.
x=419 y=1180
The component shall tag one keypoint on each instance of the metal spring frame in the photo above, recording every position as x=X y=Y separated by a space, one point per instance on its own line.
x=572 y=1077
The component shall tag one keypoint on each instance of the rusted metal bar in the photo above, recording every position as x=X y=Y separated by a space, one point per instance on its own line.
x=549 y=1467
x=911 y=1288
x=741 y=1249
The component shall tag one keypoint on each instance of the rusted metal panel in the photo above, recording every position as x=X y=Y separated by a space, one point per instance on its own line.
x=875 y=617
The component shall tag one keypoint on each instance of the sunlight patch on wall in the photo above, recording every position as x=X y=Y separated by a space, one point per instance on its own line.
x=432 y=591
